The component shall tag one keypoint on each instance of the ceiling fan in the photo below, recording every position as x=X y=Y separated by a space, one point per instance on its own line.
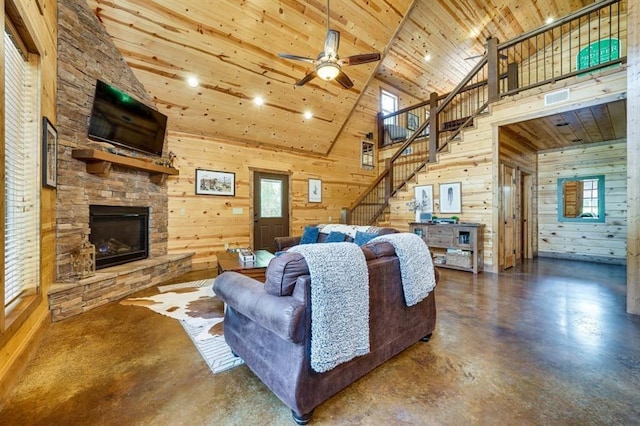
x=328 y=64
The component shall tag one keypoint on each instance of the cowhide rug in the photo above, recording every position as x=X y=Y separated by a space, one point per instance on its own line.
x=201 y=314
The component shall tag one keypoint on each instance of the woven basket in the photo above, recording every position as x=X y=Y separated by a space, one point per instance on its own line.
x=459 y=259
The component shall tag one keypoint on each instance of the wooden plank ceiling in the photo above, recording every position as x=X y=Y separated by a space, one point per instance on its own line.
x=598 y=123
x=232 y=48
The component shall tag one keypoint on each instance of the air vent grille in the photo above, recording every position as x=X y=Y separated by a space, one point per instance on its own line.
x=556 y=97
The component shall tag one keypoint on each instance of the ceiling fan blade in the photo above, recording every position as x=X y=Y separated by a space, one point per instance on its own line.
x=344 y=80
x=297 y=58
x=307 y=78
x=332 y=42
x=360 y=59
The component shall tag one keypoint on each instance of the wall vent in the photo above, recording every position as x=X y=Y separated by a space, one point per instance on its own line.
x=555 y=97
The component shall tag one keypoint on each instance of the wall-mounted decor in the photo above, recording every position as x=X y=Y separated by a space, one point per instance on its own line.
x=49 y=153
x=413 y=121
x=423 y=196
x=315 y=191
x=450 y=198
x=210 y=182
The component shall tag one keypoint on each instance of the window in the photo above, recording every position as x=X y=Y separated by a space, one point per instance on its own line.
x=590 y=197
x=367 y=155
x=22 y=152
x=388 y=102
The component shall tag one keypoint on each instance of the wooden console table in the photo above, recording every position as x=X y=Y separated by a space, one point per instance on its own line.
x=467 y=237
x=99 y=163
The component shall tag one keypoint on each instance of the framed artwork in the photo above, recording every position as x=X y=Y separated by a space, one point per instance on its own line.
x=450 y=198
x=49 y=154
x=315 y=191
x=211 y=182
x=413 y=121
x=424 y=201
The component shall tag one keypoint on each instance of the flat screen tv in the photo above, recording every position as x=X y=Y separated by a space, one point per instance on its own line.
x=118 y=118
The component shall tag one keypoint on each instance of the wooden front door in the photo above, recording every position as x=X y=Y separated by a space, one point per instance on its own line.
x=270 y=208
x=508 y=237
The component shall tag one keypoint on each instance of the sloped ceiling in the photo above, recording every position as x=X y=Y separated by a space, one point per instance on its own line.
x=232 y=47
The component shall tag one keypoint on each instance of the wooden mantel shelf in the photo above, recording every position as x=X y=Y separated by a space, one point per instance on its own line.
x=99 y=163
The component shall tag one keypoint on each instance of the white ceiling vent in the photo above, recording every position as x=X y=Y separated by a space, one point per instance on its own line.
x=555 y=97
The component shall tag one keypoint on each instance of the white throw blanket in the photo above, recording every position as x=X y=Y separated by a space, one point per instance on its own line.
x=416 y=266
x=339 y=303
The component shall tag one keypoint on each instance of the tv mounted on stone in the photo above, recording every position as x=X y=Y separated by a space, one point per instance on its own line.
x=117 y=118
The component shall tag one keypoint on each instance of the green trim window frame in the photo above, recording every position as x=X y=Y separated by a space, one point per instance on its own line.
x=581 y=199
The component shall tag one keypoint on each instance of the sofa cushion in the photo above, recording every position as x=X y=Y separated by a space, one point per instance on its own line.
x=335 y=237
x=363 y=237
x=282 y=273
x=310 y=235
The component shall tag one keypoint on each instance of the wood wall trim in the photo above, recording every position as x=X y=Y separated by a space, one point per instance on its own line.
x=633 y=160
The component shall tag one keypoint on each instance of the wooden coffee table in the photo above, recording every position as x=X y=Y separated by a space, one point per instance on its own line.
x=231 y=262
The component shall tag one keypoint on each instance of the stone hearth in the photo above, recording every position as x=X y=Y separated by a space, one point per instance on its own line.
x=67 y=299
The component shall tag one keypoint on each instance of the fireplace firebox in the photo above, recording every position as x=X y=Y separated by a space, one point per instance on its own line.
x=120 y=234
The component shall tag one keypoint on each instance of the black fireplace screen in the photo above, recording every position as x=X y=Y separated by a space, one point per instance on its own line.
x=120 y=234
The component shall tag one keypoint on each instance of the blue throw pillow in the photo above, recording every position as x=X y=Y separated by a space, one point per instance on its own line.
x=310 y=235
x=363 y=237
x=335 y=237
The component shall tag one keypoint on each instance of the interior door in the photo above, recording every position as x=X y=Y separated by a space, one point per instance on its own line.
x=508 y=237
x=270 y=208
x=526 y=195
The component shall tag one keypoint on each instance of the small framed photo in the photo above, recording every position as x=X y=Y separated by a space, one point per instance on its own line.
x=413 y=121
x=450 y=198
x=315 y=191
x=211 y=182
x=49 y=154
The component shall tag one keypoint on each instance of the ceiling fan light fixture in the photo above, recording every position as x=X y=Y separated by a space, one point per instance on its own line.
x=328 y=70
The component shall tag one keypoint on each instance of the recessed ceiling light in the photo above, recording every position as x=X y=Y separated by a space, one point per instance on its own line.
x=308 y=115
x=258 y=100
x=193 y=81
x=549 y=20
x=427 y=57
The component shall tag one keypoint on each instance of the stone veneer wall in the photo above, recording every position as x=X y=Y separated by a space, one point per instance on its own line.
x=86 y=53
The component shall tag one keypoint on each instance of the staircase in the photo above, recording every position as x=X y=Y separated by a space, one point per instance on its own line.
x=540 y=57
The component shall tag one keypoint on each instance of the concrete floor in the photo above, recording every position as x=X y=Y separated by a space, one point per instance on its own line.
x=546 y=343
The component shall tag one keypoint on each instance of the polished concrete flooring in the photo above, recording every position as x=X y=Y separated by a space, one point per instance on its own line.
x=546 y=343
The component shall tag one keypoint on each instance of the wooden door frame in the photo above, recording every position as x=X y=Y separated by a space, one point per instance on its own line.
x=252 y=173
x=518 y=210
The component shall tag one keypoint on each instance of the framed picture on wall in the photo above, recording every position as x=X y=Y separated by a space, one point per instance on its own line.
x=211 y=182
x=450 y=198
x=49 y=154
x=315 y=191
x=423 y=195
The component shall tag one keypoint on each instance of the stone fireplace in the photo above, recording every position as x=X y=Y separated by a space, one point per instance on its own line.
x=86 y=54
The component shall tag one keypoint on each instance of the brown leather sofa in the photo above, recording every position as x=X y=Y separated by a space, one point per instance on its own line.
x=269 y=326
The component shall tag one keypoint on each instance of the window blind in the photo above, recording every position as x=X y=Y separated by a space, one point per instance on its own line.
x=22 y=175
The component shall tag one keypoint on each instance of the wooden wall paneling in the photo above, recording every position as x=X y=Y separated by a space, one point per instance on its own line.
x=205 y=224
x=633 y=162
x=575 y=239
x=19 y=347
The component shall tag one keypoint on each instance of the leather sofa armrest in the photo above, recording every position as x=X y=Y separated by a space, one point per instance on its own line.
x=283 y=243
x=280 y=314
